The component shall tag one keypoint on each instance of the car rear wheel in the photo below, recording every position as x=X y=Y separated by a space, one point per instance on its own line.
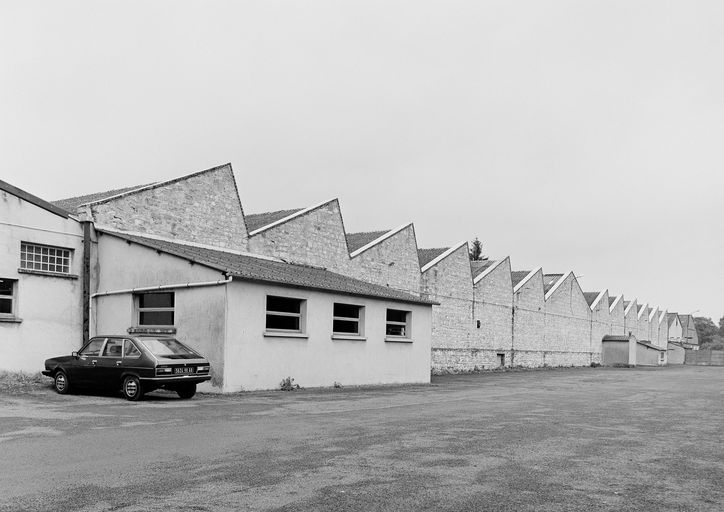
x=61 y=383
x=186 y=391
x=132 y=388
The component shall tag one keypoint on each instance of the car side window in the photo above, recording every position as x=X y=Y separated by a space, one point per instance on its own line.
x=93 y=348
x=130 y=350
x=114 y=348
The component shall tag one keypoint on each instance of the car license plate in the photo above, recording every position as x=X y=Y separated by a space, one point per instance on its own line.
x=185 y=369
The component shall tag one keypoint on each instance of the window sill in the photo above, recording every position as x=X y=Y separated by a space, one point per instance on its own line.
x=272 y=334
x=11 y=319
x=151 y=330
x=348 y=337
x=392 y=339
x=47 y=274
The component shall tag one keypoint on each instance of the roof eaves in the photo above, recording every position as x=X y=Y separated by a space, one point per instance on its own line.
x=526 y=279
x=489 y=270
x=598 y=299
x=30 y=198
x=290 y=217
x=378 y=240
x=558 y=284
x=442 y=256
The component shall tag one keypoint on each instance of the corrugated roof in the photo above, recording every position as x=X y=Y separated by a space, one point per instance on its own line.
x=358 y=240
x=518 y=275
x=271 y=271
x=591 y=296
x=549 y=280
x=72 y=203
x=427 y=255
x=477 y=267
x=256 y=221
x=30 y=198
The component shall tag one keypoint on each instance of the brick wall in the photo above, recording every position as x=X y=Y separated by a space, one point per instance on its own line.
x=202 y=208
x=393 y=262
x=568 y=324
x=313 y=238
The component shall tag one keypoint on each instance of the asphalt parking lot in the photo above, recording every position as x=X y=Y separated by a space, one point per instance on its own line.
x=568 y=439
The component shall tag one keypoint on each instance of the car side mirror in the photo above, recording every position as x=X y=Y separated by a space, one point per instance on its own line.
x=75 y=354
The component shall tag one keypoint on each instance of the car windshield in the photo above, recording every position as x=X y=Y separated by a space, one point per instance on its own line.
x=167 y=347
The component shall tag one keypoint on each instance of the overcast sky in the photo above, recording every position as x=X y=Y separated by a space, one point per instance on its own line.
x=572 y=135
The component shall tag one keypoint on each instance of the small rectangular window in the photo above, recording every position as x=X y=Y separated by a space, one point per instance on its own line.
x=156 y=308
x=398 y=323
x=284 y=314
x=45 y=258
x=347 y=319
x=7 y=297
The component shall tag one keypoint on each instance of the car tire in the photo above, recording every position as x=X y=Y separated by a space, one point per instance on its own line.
x=61 y=382
x=132 y=388
x=187 y=391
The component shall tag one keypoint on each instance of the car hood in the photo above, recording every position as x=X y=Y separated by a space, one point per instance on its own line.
x=58 y=360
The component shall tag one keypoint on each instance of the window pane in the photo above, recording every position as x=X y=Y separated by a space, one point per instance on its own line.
x=93 y=348
x=283 y=304
x=6 y=306
x=156 y=318
x=6 y=287
x=114 y=348
x=346 y=326
x=346 y=310
x=395 y=330
x=156 y=300
x=395 y=315
x=130 y=349
x=285 y=323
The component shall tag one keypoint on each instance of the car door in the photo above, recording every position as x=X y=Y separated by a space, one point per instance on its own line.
x=109 y=366
x=84 y=370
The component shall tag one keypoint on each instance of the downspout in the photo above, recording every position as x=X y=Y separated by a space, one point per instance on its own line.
x=152 y=289
x=85 y=284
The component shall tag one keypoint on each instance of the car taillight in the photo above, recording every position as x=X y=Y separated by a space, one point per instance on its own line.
x=202 y=369
x=160 y=370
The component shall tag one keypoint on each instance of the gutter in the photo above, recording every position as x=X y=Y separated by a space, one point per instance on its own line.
x=148 y=289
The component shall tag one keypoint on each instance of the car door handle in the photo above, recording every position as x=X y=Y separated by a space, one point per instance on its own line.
x=118 y=363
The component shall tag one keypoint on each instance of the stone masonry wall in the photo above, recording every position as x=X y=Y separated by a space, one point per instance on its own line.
x=568 y=324
x=529 y=323
x=493 y=307
x=618 y=327
x=653 y=324
x=393 y=262
x=202 y=207
x=600 y=324
x=663 y=332
x=631 y=322
x=642 y=325
x=314 y=238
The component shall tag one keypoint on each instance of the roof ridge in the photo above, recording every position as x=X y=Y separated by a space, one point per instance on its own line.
x=292 y=216
x=33 y=199
x=379 y=239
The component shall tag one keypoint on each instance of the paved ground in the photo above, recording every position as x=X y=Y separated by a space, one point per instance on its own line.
x=583 y=439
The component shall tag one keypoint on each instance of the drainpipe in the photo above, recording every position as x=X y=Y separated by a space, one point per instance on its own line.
x=85 y=284
x=151 y=289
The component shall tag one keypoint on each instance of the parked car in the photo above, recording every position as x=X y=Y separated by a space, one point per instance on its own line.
x=135 y=365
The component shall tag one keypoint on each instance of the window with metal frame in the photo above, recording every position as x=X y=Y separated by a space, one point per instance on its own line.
x=45 y=258
x=7 y=297
x=285 y=314
x=156 y=308
x=398 y=323
x=347 y=319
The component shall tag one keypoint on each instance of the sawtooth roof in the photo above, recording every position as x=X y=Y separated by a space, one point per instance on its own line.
x=591 y=296
x=256 y=221
x=518 y=275
x=253 y=268
x=358 y=240
x=427 y=255
x=72 y=203
x=611 y=300
x=549 y=280
x=477 y=267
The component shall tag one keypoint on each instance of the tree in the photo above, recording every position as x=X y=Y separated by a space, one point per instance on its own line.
x=721 y=326
x=705 y=329
x=476 y=250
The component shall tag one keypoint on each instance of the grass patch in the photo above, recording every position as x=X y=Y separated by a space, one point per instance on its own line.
x=17 y=382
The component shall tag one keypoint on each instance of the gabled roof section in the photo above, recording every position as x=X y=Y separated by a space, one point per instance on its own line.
x=663 y=316
x=613 y=302
x=518 y=281
x=550 y=281
x=628 y=305
x=437 y=259
x=256 y=221
x=385 y=235
x=287 y=218
x=358 y=240
x=593 y=298
x=427 y=255
x=643 y=308
x=30 y=198
x=269 y=270
x=489 y=269
x=477 y=267
x=72 y=203
x=652 y=313
x=672 y=317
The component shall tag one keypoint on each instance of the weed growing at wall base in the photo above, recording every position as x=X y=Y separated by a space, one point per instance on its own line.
x=288 y=385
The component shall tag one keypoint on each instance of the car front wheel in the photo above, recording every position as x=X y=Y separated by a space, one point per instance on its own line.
x=186 y=391
x=132 y=388
x=61 y=383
